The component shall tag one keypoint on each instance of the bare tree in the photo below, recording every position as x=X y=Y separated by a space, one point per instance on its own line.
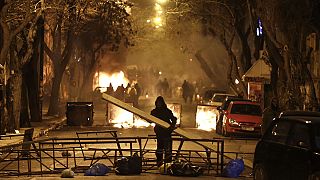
x=229 y=22
x=18 y=22
x=286 y=25
x=104 y=30
x=74 y=20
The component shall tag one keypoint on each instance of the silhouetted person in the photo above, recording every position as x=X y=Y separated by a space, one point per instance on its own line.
x=132 y=95
x=110 y=90
x=138 y=94
x=127 y=89
x=165 y=87
x=119 y=93
x=268 y=114
x=185 y=90
x=164 y=140
x=191 y=92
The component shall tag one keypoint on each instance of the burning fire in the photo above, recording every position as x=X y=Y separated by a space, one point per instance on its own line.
x=119 y=117
x=206 y=117
x=122 y=118
x=176 y=111
x=102 y=79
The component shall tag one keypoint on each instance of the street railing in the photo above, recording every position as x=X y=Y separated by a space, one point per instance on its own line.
x=52 y=155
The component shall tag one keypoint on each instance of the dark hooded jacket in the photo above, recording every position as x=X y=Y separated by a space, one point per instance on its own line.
x=162 y=112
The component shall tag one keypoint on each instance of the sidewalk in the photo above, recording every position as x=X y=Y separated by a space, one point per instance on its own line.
x=48 y=123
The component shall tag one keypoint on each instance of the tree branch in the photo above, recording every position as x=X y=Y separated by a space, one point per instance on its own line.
x=48 y=51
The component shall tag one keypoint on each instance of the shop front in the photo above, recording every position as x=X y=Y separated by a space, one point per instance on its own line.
x=258 y=80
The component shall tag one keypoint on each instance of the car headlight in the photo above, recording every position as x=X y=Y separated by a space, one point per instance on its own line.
x=233 y=122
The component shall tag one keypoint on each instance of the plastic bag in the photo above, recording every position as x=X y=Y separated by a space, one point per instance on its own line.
x=184 y=169
x=234 y=168
x=98 y=169
x=129 y=166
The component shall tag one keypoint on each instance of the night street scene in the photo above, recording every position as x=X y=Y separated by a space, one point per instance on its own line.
x=160 y=89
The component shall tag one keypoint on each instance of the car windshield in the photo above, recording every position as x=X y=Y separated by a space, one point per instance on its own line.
x=247 y=109
x=219 y=98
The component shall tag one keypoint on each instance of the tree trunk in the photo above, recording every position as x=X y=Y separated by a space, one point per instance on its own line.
x=87 y=84
x=55 y=93
x=86 y=87
x=33 y=93
x=204 y=66
x=33 y=75
x=5 y=43
x=14 y=101
x=24 y=111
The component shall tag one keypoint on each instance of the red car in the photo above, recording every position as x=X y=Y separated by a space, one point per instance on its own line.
x=242 y=117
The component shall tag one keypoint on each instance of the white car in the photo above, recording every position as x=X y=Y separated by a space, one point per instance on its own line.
x=218 y=98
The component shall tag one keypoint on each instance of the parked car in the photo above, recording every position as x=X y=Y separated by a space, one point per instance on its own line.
x=218 y=98
x=222 y=109
x=290 y=148
x=299 y=114
x=207 y=95
x=242 y=117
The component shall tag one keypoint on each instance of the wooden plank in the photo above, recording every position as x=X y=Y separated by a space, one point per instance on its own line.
x=151 y=118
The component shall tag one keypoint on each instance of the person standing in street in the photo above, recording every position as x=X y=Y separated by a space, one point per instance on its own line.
x=165 y=87
x=163 y=135
x=268 y=114
x=185 y=90
x=138 y=94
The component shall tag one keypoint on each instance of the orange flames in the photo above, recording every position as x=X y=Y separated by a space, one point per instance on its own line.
x=119 y=117
x=103 y=79
x=122 y=118
x=206 y=117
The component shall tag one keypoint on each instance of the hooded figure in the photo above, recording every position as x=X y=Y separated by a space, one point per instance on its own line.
x=268 y=114
x=164 y=141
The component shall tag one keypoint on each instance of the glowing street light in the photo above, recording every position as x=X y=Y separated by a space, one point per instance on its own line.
x=162 y=1
x=157 y=20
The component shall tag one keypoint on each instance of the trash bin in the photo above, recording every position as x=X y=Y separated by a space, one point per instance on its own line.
x=79 y=113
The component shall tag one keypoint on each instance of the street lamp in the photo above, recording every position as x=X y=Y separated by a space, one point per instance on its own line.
x=162 y=1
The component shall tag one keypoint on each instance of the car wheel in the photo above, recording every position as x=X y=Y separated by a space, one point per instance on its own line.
x=260 y=172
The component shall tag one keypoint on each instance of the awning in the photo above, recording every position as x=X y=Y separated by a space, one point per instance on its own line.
x=259 y=72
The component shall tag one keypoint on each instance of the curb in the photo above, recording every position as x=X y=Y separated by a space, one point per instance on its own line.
x=38 y=131
x=52 y=126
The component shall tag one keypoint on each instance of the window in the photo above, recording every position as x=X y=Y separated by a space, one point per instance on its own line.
x=299 y=135
x=279 y=132
x=248 y=109
x=317 y=135
x=219 y=98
